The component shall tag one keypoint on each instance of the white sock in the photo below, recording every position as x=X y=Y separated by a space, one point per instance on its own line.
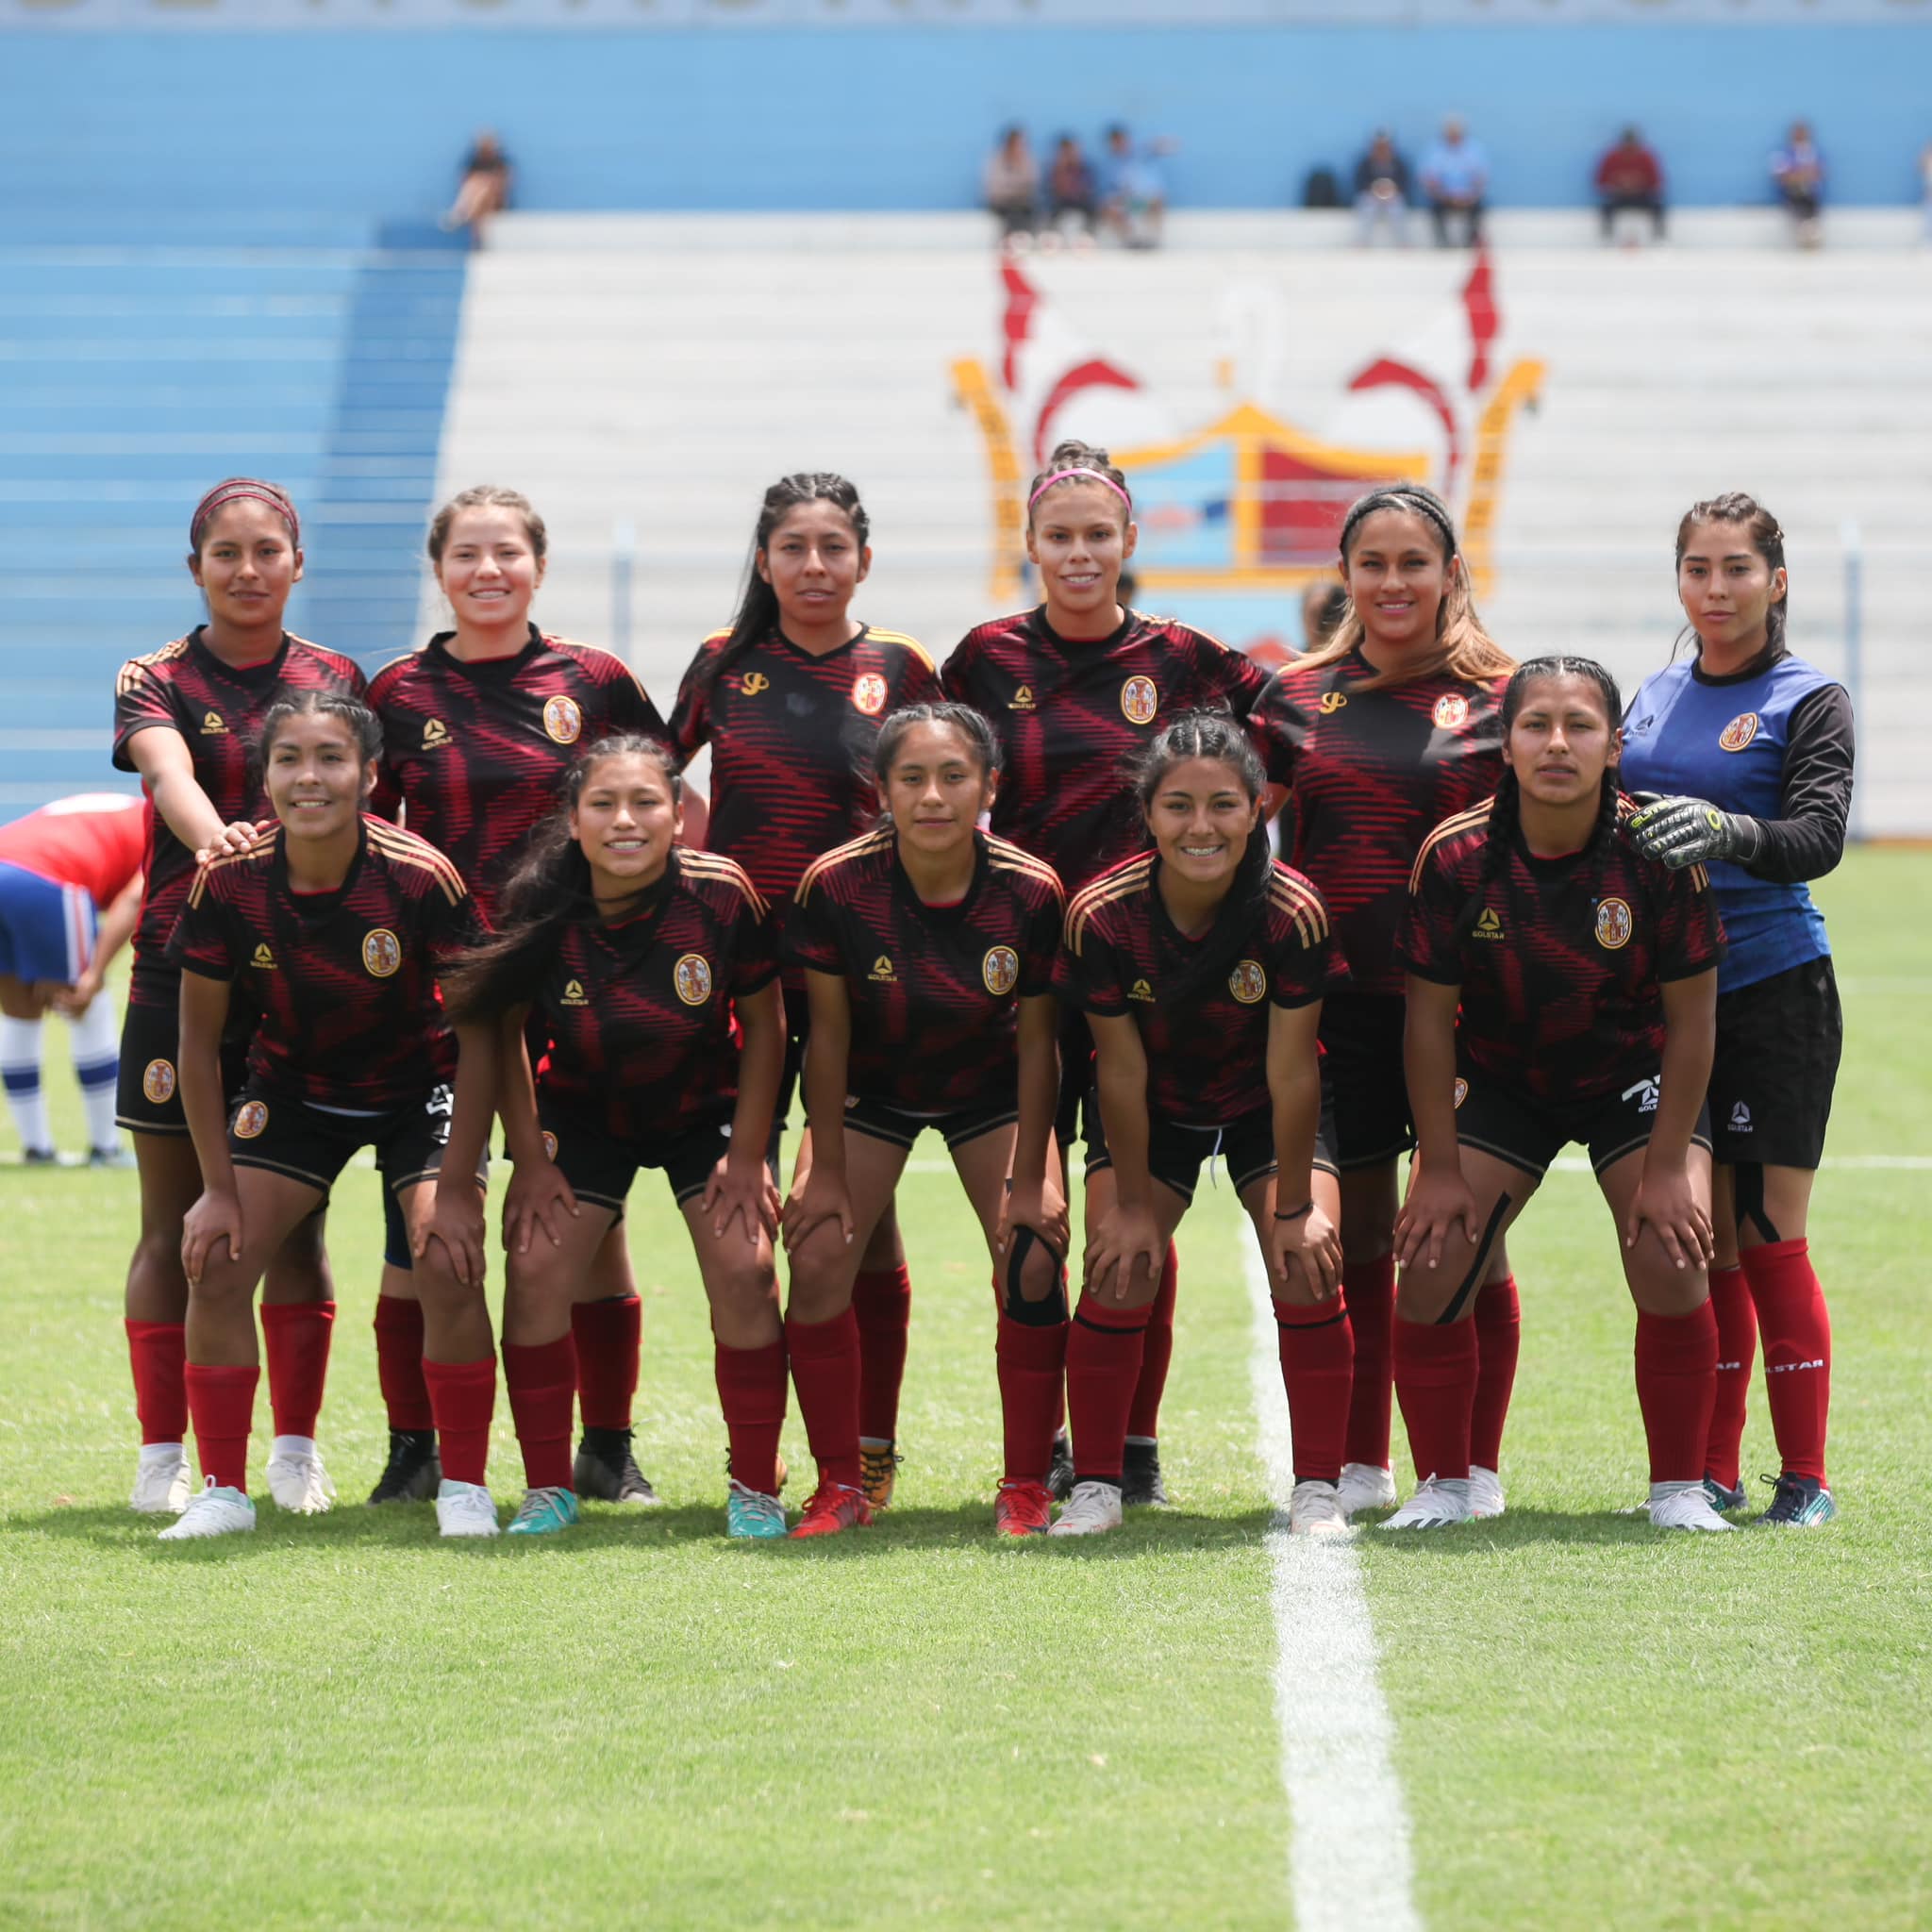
x=96 y=1045
x=162 y=1451
x=291 y=1445
x=20 y=1065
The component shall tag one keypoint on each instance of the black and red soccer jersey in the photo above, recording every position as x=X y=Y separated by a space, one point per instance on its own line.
x=639 y=1013
x=1372 y=773
x=792 y=736
x=1200 y=1002
x=218 y=709
x=935 y=989
x=1562 y=959
x=1071 y=716
x=477 y=750
x=344 y=982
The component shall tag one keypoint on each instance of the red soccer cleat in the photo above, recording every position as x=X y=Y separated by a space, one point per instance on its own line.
x=834 y=1506
x=1022 y=1509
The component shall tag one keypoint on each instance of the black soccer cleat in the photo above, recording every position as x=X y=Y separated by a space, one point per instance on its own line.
x=1140 y=1484
x=607 y=1471
x=1059 y=1472
x=1722 y=1499
x=1799 y=1502
x=414 y=1469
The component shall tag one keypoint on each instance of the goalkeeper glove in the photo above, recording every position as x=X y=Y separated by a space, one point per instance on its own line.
x=1691 y=831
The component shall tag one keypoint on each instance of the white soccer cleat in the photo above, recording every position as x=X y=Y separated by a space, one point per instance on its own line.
x=465 y=1510
x=1684 y=1505
x=1485 y=1493
x=1092 y=1510
x=162 y=1486
x=213 y=1512
x=1315 y=1509
x=1365 y=1485
x=297 y=1480
x=1437 y=1502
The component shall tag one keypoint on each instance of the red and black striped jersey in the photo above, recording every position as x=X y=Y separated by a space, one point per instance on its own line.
x=217 y=708
x=1370 y=774
x=1201 y=1002
x=639 y=1014
x=935 y=989
x=477 y=750
x=1071 y=715
x=1562 y=960
x=791 y=736
x=344 y=982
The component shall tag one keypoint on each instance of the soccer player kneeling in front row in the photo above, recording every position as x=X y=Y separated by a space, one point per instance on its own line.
x=1202 y=966
x=634 y=955
x=1586 y=979
x=928 y=952
x=335 y=927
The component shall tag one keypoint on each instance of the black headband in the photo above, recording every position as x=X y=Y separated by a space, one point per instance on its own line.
x=1400 y=499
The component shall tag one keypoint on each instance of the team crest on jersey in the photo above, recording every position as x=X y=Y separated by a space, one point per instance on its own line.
x=563 y=720
x=1613 y=924
x=1022 y=700
x=1247 y=982
x=262 y=958
x=691 y=976
x=1738 y=732
x=1462 y=1091
x=882 y=971
x=550 y=1143
x=1332 y=701
x=1140 y=991
x=1488 y=923
x=250 y=1118
x=1140 y=701
x=869 y=693
x=1452 y=711
x=382 y=952
x=754 y=683
x=1000 y=968
x=157 y=1082
x=213 y=724
x=434 y=734
x=574 y=994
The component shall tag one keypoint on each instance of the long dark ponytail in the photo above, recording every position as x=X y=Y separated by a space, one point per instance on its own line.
x=758 y=606
x=548 y=892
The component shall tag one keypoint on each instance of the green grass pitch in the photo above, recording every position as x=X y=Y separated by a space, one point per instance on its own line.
x=339 y=1722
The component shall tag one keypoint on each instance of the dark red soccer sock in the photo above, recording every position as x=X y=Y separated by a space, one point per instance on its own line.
x=296 y=1338
x=541 y=1379
x=399 y=1363
x=1370 y=1290
x=462 y=1396
x=1737 y=1351
x=1318 y=1371
x=1104 y=1348
x=1676 y=1384
x=1435 y=1381
x=824 y=1371
x=750 y=1392
x=609 y=1334
x=882 y=1302
x=1156 y=1354
x=1032 y=1369
x=222 y=1402
x=1796 y=1328
x=1498 y=1340
x=158 y=1353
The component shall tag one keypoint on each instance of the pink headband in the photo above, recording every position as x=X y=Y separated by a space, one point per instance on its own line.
x=1061 y=475
x=240 y=487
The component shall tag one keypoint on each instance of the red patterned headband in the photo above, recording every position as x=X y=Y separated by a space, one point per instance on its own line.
x=1061 y=475
x=232 y=491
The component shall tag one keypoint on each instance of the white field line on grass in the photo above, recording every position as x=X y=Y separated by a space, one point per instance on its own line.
x=1350 y=1867
x=1575 y=1163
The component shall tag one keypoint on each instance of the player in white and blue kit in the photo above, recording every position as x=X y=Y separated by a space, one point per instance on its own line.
x=1748 y=751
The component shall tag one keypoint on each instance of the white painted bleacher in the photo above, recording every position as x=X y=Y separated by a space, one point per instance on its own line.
x=659 y=371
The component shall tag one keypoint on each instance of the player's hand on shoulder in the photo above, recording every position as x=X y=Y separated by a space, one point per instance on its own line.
x=1690 y=831
x=238 y=836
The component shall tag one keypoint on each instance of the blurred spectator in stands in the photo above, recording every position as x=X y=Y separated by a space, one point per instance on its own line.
x=1323 y=603
x=1133 y=192
x=1456 y=179
x=1381 y=191
x=1797 y=170
x=483 y=189
x=1071 y=190
x=1012 y=187
x=1630 y=176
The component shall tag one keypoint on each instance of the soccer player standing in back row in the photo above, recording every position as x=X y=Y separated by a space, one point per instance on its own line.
x=789 y=700
x=478 y=728
x=1755 y=747
x=1391 y=728
x=1076 y=688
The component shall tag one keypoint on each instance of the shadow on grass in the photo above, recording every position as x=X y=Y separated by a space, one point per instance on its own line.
x=1522 y=1528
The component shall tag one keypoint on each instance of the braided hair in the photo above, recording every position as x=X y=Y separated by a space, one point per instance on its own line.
x=1767 y=538
x=970 y=725
x=1505 y=807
